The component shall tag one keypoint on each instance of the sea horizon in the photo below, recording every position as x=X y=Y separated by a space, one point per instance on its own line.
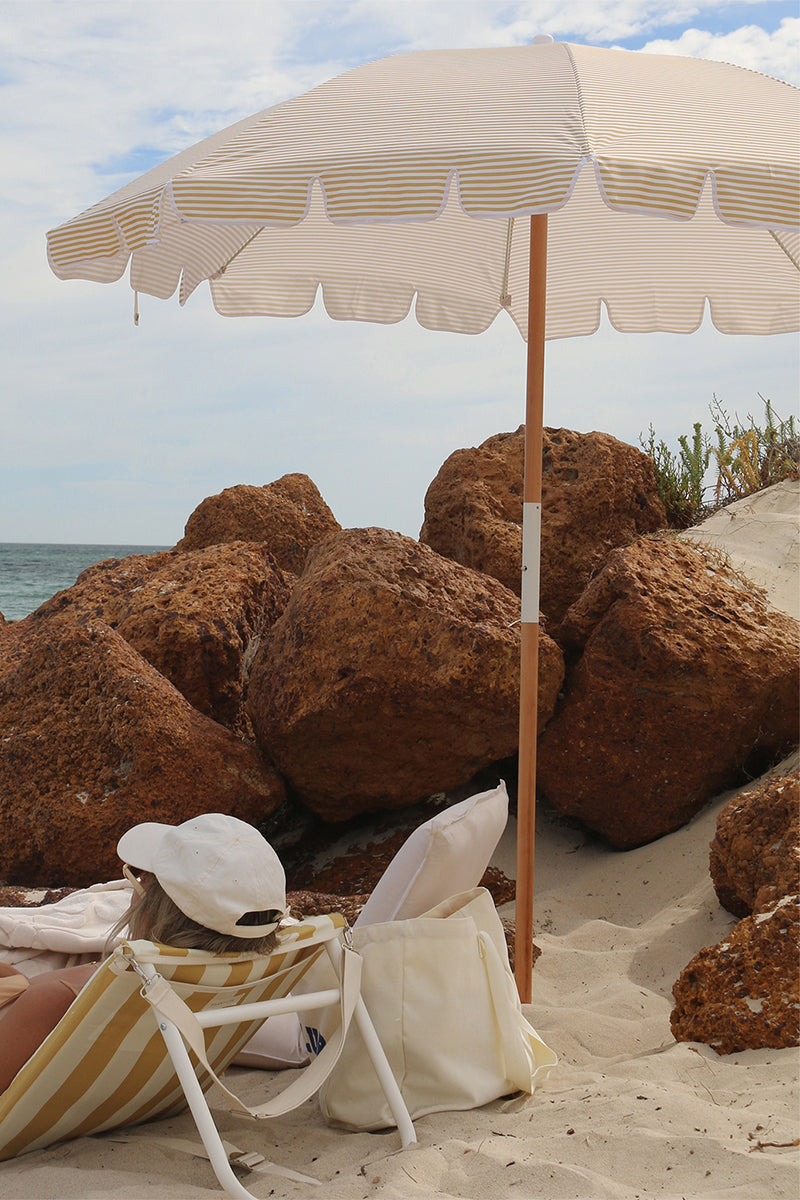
x=32 y=572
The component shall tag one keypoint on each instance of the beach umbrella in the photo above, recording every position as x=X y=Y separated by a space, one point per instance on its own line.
x=550 y=180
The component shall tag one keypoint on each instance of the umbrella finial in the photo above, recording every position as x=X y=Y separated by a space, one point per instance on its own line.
x=543 y=39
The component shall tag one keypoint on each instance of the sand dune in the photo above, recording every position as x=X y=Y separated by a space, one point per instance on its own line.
x=760 y=535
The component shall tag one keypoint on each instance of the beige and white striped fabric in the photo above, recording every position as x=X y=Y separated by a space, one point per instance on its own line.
x=673 y=184
x=105 y=1065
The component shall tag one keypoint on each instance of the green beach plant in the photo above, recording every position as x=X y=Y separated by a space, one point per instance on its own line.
x=679 y=477
x=748 y=457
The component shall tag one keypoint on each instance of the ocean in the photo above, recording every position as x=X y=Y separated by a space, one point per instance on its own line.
x=32 y=572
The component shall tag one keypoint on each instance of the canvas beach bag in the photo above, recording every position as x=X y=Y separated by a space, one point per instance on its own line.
x=443 y=1000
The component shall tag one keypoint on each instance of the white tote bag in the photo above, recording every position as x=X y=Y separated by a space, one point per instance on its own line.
x=443 y=1000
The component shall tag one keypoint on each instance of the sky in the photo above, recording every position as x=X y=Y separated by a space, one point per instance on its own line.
x=112 y=433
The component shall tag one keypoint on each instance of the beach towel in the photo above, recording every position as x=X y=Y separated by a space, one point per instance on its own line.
x=65 y=933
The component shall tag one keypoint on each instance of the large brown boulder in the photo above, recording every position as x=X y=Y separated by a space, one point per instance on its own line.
x=96 y=740
x=473 y=508
x=755 y=853
x=289 y=516
x=597 y=493
x=744 y=993
x=196 y=616
x=393 y=673
x=685 y=676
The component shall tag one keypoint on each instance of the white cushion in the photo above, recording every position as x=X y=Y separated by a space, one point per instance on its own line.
x=443 y=857
x=446 y=855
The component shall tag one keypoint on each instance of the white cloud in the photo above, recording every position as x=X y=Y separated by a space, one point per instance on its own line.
x=85 y=83
x=775 y=53
x=425 y=24
x=115 y=434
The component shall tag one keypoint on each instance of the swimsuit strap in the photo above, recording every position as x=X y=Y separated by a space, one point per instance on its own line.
x=12 y=986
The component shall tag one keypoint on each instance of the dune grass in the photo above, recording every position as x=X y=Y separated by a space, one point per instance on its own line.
x=746 y=456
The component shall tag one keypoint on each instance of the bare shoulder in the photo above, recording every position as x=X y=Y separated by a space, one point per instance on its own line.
x=66 y=981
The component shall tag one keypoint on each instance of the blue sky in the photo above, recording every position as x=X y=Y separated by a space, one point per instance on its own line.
x=112 y=433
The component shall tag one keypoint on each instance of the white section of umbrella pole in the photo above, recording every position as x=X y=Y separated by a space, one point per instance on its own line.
x=529 y=645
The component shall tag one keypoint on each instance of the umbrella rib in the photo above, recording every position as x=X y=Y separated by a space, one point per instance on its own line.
x=221 y=270
x=586 y=150
x=785 y=249
x=505 y=298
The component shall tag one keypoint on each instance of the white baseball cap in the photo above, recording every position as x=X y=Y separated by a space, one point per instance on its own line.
x=216 y=868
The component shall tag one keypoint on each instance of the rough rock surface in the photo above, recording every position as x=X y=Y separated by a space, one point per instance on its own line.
x=755 y=853
x=19 y=897
x=597 y=493
x=393 y=673
x=686 y=677
x=289 y=516
x=744 y=994
x=196 y=616
x=96 y=740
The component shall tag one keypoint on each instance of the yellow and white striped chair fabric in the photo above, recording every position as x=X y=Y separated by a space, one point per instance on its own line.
x=110 y=1063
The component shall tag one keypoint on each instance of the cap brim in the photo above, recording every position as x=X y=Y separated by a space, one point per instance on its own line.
x=138 y=846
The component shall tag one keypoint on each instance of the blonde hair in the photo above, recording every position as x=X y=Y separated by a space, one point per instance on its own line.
x=155 y=916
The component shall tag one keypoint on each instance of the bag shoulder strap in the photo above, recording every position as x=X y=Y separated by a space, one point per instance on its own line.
x=161 y=997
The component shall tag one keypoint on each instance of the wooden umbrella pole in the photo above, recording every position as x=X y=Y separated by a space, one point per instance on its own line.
x=529 y=643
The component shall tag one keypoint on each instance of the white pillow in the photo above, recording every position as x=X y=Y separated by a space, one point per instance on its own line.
x=445 y=856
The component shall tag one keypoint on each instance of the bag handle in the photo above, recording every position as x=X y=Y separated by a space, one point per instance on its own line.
x=161 y=997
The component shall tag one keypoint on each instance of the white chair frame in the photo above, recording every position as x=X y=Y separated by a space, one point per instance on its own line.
x=212 y=1018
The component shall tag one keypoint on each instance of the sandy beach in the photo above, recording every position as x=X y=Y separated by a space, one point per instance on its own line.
x=627 y=1113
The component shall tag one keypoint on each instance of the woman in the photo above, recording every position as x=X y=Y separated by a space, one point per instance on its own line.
x=213 y=883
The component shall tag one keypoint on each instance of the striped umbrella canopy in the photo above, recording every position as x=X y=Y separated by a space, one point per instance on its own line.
x=547 y=180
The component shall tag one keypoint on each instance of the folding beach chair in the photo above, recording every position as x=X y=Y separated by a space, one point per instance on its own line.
x=154 y=1028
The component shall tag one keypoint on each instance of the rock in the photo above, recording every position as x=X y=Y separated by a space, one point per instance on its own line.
x=340 y=877
x=202 y=630
x=597 y=494
x=197 y=617
x=687 y=681
x=15 y=897
x=743 y=994
x=305 y=904
x=393 y=673
x=289 y=516
x=755 y=854
x=473 y=508
x=96 y=740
